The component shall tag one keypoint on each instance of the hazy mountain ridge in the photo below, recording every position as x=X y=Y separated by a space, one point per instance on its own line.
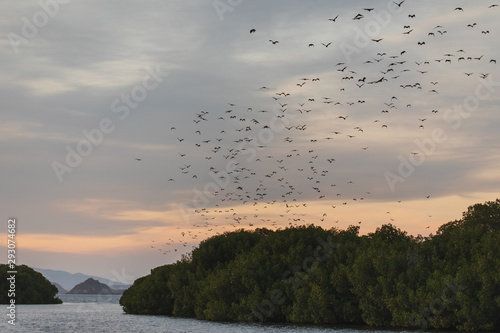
x=60 y=289
x=69 y=280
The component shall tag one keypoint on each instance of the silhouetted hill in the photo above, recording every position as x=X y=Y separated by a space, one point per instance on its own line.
x=93 y=287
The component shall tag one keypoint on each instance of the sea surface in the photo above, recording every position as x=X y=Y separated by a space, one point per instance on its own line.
x=102 y=313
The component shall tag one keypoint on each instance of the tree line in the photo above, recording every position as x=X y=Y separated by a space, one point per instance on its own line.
x=308 y=275
x=27 y=287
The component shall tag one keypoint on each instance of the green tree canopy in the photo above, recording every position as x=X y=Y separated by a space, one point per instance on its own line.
x=31 y=287
x=309 y=275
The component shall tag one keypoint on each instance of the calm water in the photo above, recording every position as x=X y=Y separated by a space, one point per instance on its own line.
x=100 y=313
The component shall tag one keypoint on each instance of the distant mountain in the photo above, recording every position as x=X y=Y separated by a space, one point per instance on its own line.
x=69 y=280
x=60 y=289
x=93 y=287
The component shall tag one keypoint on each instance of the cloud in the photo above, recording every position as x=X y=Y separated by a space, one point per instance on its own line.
x=66 y=78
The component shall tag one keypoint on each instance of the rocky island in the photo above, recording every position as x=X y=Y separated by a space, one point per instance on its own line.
x=93 y=287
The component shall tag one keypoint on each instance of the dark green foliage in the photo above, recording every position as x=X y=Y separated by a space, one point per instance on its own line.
x=31 y=287
x=309 y=275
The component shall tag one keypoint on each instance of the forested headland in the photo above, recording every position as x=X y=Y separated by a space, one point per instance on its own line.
x=308 y=275
x=30 y=287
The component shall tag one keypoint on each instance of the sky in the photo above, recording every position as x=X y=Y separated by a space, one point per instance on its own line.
x=133 y=130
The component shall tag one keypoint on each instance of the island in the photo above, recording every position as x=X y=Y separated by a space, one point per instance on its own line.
x=308 y=275
x=93 y=287
x=27 y=285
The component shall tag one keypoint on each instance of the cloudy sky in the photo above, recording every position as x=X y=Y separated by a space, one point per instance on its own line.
x=132 y=130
